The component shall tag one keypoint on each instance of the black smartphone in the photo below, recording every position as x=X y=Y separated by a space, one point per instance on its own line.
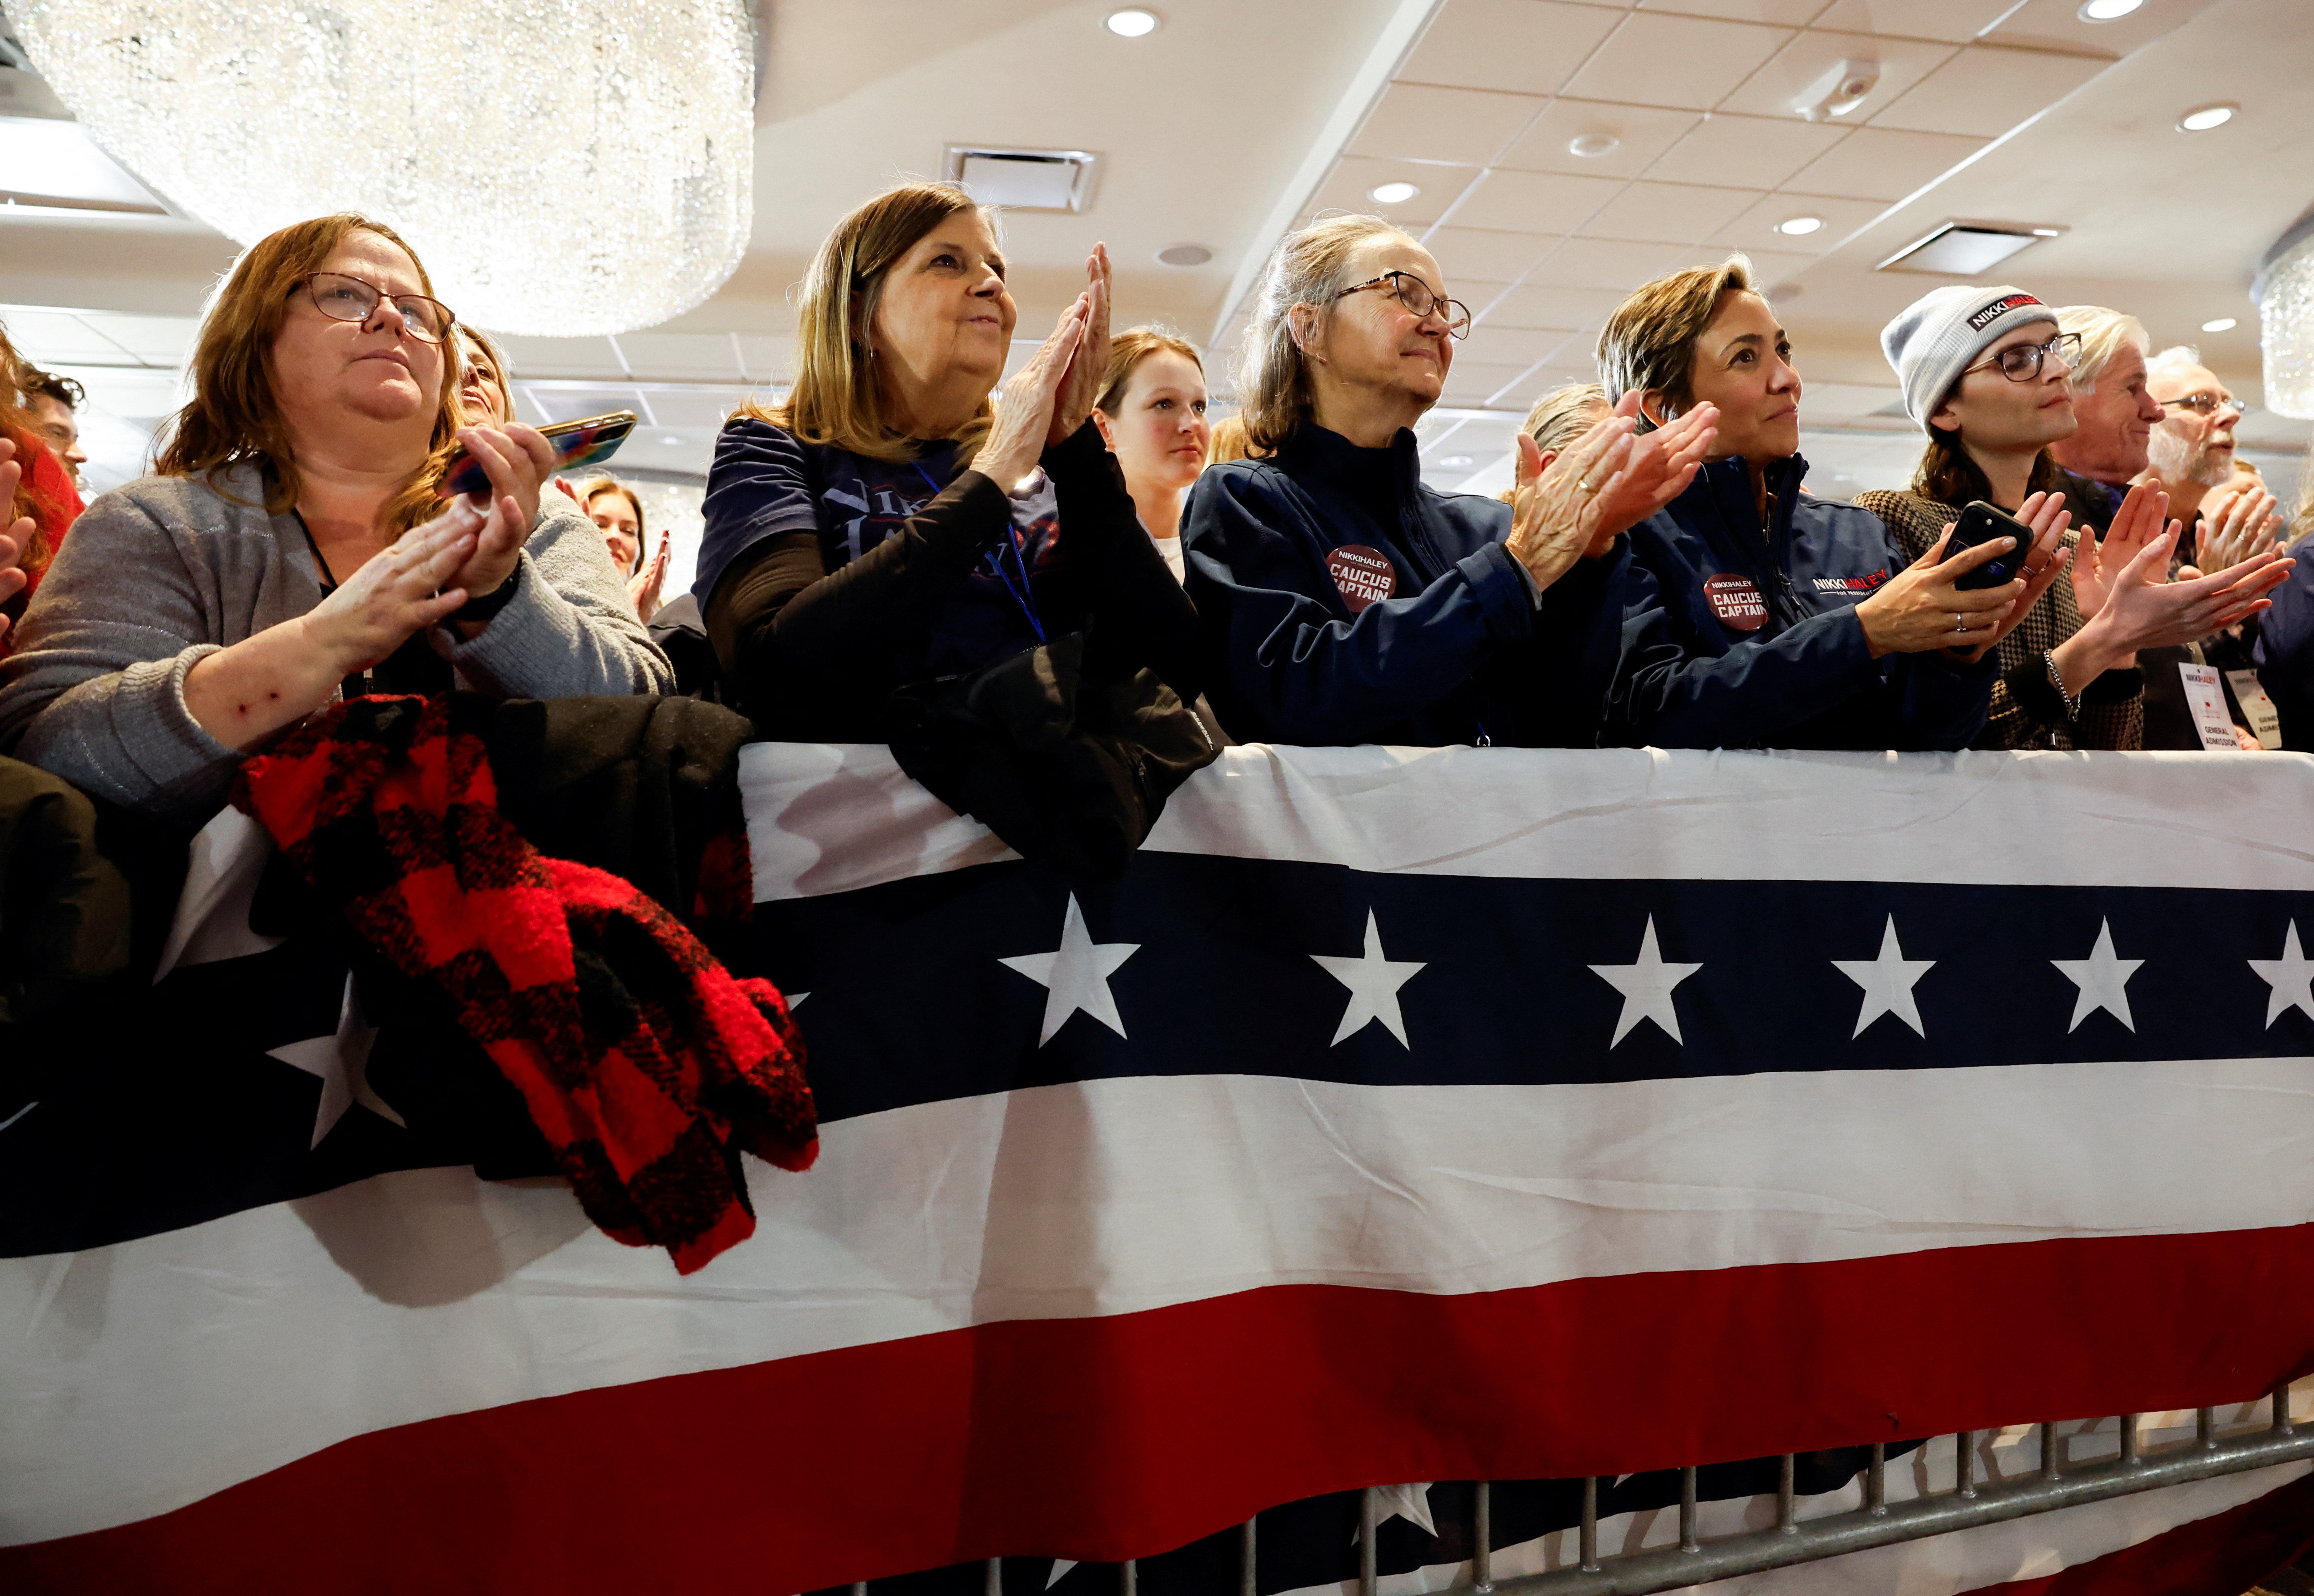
x=1981 y=523
x=590 y=442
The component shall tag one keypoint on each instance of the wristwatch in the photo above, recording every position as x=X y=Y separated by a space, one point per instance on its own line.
x=484 y=607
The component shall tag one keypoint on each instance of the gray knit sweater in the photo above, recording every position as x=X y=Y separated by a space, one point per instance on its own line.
x=156 y=574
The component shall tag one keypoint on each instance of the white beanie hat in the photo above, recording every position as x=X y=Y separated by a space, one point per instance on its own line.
x=1937 y=337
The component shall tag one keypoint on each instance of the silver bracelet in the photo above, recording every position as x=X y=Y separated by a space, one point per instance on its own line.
x=2071 y=700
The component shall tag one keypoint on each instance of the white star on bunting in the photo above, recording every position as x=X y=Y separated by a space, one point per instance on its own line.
x=1647 y=986
x=1887 y=982
x=2103 y=979
x=342 y=1063
x=2290 y=979
x=1374 y=981
x=1076 y=975
x=1410 y=1502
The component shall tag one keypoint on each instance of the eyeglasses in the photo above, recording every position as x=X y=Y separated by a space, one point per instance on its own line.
x=343 y=298
x=2206 y=403
x=1415 y=294
x=2021 y=362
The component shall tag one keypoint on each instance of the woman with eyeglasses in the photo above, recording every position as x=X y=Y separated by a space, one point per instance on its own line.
x=292 y=546
x=1342 y=600
x=1986 y=375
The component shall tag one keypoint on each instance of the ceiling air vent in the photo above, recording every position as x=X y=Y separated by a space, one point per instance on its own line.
x=1024 y=180
x=1966 y=249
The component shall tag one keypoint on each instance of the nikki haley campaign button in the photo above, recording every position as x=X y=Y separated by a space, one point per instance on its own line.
x=1737 y=602
x=1364 y=575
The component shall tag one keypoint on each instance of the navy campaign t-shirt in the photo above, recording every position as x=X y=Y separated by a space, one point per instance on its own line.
x=765 y=480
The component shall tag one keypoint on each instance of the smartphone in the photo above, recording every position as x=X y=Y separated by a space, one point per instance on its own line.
x=1981 y=523
x=576 y=444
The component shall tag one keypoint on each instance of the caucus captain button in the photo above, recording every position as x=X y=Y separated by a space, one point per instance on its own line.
x=1737 y=602
x=1364 y=575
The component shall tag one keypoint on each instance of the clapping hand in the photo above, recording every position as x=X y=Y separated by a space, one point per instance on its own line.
x=2045 y=516
x=2235 y=525
x=1026 y=404
x=1088 y=369
x=643 y=588
x=398 y=592
x=2097 y=565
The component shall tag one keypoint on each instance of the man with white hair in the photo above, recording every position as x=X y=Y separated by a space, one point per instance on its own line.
x=2116 y=414
x=2192 y=448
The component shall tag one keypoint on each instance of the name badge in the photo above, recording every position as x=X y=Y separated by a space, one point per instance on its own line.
x=1363 y=575
x=2265 y=720
x=2212 y=721
x=1736 y=600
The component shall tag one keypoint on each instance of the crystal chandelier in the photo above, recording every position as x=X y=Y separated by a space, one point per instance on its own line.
x=2285 y=293
x=563 y=167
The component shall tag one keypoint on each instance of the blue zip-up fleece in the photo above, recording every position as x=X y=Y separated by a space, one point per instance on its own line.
x=1459 y=653
x=1805 y=678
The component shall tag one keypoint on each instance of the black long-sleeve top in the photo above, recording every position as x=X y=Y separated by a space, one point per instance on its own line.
x=829 y=579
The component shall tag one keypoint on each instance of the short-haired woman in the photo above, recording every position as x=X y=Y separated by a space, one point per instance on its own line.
x=887 y=525
x=1557 y=419
x=294 y=545
x=1344 y=601
x=1759 y=615
x=1986 y=375
x=1152 y=414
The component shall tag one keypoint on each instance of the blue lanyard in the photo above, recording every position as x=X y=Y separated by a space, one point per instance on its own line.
x=1023 y=595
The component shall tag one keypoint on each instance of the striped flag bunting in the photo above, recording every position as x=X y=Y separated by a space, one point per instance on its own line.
x=1404 y=1116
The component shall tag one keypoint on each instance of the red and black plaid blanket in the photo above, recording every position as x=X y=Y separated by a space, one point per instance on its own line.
x=643 y=1061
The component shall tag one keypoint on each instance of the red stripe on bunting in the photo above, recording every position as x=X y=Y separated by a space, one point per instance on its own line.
x=2218 y=1556
x=1106 y=1438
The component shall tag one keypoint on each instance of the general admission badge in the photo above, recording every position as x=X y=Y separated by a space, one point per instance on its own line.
x=1364 y=575
x=1736 y=600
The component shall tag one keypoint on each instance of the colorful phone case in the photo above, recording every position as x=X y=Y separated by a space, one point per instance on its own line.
x=585 y=443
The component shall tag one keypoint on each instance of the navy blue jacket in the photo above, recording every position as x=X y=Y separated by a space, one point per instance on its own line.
x=2284 y=652
x=1804 y=678
x=1459 y=653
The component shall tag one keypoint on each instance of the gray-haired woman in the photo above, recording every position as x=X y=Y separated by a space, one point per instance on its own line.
x=1341 y=600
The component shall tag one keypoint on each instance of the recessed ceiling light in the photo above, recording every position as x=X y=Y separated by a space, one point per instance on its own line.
x=1799 y=226
x=2222 y=324
x=1134 y=23
x=1393 y=193
x=1591 y=146
x=670 y=439
x=2203 y=117
x=2106 y=11
x=1184 y=254
x=1452 y=461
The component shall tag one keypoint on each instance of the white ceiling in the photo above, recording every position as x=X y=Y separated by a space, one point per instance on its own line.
x=1235 y=119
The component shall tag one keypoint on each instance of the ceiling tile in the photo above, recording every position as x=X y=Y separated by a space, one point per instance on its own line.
x=1526 y=46
x=1483 y=256
x=1523 y=345
x=681 y=356
x=1603 y=263
x=1541 y=305
x=702 y=407
x=1987 y=90
x=1669 y=213
x=1782 y=14
x=1643 y=133
x=766 y=357
x=1747 y=152
x=1769 y=92
x=1350 y=187
x=1953 y=22
x=1476 y=381
x=1755 y=229
x=1537 y=201
x=1418 y=122
x=560 y=356
x=1883 y=164
x=157 y=341
x=577 y=404
x=57 y=337
x=1769 y=267
x=1690 y=62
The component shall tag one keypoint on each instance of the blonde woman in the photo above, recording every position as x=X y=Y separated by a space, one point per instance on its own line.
x=887 y=525
x=1152 y=414
x=292 y=545
x=1342 y=600
x=484 y=388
